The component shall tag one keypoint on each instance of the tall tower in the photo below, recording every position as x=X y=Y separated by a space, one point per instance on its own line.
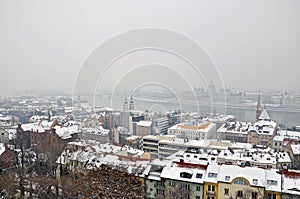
x=125 y=105
x=258 y=107
x=131 y=104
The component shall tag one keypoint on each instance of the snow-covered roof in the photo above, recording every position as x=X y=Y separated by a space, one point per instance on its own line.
x=294 y=135
x=2 y=148
x=291 y=184
x=278 y=138
x=203 y=127
x=66 y=132
x=99 y=130
x=264 y=115
x=255 y=176
x=265 y=127
x=235 y=127
x=219 y=118
x=144 y=123
x=5 y=118
x=212 y=172
x=175 y=172
x=273 y=180
x=295 y=149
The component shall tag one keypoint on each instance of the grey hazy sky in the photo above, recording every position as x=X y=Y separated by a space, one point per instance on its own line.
x=256 y=44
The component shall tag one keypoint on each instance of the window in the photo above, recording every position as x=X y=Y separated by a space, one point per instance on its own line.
x=185 y=186
x=172 y=193
x=226 y=191
x=255 y=181
x=212 y=175
x=172 y=183
x=271 y=196
x=240 y=193
x=198 y=188
x=159 y=183
x=227 y=178
x=160 y=192
x=254 y=195
x=241 y=182
x=199 y=175
x=271 y=182
x=211 y=188
x=185 y=175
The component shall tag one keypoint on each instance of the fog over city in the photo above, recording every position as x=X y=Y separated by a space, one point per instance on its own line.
x=150 y=99
x=248 y=44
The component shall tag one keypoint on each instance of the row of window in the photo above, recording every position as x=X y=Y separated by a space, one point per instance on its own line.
x=211 y=188
x=241 y=194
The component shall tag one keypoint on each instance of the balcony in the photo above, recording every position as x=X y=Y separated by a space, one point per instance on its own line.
x=210 y=192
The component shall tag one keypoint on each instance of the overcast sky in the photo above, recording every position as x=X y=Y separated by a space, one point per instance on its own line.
x=43 y=44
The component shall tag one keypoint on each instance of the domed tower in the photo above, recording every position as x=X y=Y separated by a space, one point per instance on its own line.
x=131 y=104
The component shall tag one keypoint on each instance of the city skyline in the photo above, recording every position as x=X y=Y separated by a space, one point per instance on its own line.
x=255 y=45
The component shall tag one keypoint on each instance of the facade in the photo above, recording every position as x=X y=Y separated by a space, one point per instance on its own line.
x=211 y=182
x=161 y=125
x=124 y=119
x=234 y=131
x=150 y=144
x=181 y=179
x=260 y=132
x=8 y=157
x=98 y=134
x=4 y=135
x=176 y=180
x=215 y=151
x=83 y=155
x=294 y=150
x=291 y=184
x=44 y=133
x=143 y=128
x=201 y=131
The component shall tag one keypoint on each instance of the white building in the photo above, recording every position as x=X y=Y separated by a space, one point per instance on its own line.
x=150 y=144
x=205 y=130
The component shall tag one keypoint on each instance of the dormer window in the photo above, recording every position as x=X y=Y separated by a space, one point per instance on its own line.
x=241 y=181
x=271 y=182
x=255 y=181
x=227 y=178
x=212 y=175
x=199 y=175
x=185 y=175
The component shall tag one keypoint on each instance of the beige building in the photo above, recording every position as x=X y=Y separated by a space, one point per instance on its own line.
x=143 y=128
x=260 y=132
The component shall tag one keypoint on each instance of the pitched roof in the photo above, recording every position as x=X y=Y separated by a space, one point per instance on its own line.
x=264 y=115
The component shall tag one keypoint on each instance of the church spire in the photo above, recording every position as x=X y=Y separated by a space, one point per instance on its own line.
x=258 y=107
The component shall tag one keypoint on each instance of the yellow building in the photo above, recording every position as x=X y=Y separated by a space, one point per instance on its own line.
x=210 y=190
x=248 y=182
x=211 y=182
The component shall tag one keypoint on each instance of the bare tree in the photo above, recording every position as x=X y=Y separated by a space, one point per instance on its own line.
x=247 y=193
